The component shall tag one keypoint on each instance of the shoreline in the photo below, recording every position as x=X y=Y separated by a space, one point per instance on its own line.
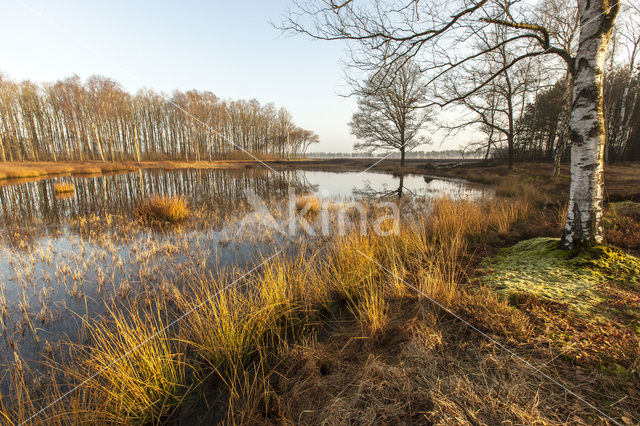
x=24 y=172
x=620 y=178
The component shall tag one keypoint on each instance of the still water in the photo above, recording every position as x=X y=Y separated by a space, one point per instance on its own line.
x=66 y=259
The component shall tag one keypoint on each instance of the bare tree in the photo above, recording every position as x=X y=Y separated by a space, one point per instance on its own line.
x=438 y=34
x=621 y=110
x=499 y=104
x=390 y=116
x=562 y=21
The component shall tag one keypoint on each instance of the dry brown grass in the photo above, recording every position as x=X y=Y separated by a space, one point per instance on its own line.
x=348 y=333
x=32 y=170
x=426 y=369
x=309 y=204
x=163 y=210
x=63 y=188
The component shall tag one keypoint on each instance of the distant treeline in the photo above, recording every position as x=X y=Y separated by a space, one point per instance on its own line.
x=99 y=120
x=537 y=130
x=445 y=154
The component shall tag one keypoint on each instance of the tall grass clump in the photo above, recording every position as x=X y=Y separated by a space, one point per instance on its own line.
x=136 y=370
x=239 y=327
x=309 y=204
x=132 y=372
x=163 y=210
x=63 y=188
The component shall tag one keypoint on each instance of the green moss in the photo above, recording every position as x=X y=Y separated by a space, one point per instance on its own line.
x=539 y=267
x=614 y=369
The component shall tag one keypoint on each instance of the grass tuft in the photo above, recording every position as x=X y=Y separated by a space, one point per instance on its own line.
x=163 y=210
x=309 y=204
x=147 y=384
x=63 y=188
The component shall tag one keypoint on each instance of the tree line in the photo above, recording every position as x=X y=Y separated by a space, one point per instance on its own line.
x=98 y=120
x=540 y=122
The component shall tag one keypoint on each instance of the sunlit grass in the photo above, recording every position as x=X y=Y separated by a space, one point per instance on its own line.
x=140 y=371
x=63 y=188
x=136 y=370
x=31 y=170
x=310 y=205
x=160 y=210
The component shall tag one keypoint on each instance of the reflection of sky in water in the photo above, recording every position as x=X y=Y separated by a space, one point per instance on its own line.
x=35 y=202
x=65 y=276
x=343 y=185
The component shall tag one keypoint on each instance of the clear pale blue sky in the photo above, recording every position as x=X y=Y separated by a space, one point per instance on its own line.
x=227 y=47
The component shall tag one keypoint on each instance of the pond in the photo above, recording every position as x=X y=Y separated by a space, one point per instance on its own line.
x=64 y=259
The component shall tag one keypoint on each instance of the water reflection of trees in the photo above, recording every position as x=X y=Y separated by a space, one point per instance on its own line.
x=369 y=192
x=31 y=202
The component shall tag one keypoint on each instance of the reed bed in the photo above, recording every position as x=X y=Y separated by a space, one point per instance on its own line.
x=141 y=371
x=24 y=170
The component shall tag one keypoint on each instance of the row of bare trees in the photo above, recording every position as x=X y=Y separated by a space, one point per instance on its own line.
x=525 y=110
x=538 y=128
x=99 y=120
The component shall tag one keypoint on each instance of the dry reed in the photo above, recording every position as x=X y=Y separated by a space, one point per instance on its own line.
x=162 y=210
x=63 y=188
x=240 y=334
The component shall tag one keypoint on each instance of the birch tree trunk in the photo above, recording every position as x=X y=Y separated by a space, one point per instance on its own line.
x=586 y=127
x=561 y=134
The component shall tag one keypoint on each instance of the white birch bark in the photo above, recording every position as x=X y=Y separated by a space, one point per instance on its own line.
x=586 y=126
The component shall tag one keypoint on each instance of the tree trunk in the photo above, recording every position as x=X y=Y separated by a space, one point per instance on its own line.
x=136 y=142
x=488 y=151
x=584 y=216
x=561 y=136
x=510 y=136
x=510 y=150
x=3 y=156
x=402 y=154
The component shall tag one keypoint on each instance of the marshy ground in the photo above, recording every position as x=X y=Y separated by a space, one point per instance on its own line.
x=429 y=326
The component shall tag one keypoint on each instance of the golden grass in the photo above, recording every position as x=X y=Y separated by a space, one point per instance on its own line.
x=23 y=170
x=258 y=339
x=162 y=210
x=309 y=204
x=42 y=169
x=63 y=188
x=88 y=170
x=145 y=385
